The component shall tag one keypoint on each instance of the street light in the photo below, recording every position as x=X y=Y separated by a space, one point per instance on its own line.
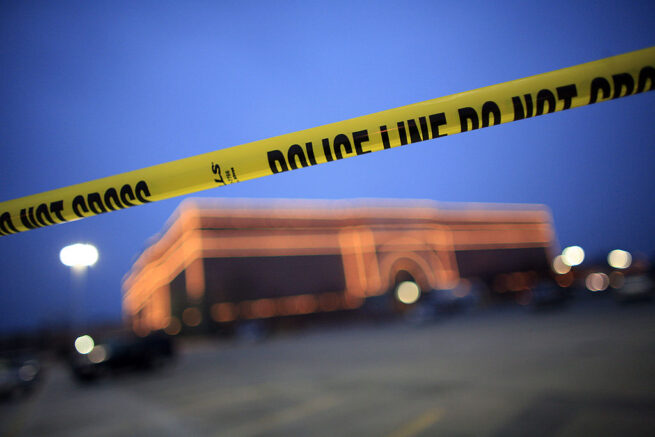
x=78 y=257
x=619 y=259
x=573 y=256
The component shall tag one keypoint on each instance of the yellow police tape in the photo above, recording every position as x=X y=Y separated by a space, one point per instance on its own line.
x=571 y=87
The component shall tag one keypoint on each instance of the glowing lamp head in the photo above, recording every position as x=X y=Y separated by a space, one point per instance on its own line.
x=559 y=266
x=619 y=259
x=79 y=255
x=408 y=292
x=573 y=256
x=84 y=344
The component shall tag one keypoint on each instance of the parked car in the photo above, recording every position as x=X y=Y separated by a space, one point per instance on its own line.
x=465 y=296
x=547 y=294
x=19 y=375
x=93 y=359
x=634 y=288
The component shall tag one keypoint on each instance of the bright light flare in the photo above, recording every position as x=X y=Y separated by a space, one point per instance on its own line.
x=573 y=256
x=84 y=344
x=174 y=327
x=79 y=255
x=597 y=282
x=559 y=266
x=619 y=259
x=192 y=316
x=408 y=292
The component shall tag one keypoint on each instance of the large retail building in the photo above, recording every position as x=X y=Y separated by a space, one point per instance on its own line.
x=217 y=262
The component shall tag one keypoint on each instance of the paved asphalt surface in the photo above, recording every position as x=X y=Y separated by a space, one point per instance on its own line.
x=588 y=370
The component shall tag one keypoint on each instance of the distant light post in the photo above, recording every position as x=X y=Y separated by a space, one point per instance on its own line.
x=78 y=257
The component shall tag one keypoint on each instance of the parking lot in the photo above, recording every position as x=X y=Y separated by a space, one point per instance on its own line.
x=588 y=369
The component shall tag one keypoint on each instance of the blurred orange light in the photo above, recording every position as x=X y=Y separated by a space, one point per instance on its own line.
x=223 y=312
x=142 y=330
x=192 y=316
x=564 y=281
x=174 y=326
x=263 y=308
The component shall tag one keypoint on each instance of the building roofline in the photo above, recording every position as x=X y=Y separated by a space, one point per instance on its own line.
x=342 y=211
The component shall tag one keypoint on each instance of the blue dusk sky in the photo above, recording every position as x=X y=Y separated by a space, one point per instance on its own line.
x=91 y=89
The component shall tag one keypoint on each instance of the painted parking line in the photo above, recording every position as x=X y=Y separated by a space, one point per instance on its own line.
x=418 y=424
x=287 y=416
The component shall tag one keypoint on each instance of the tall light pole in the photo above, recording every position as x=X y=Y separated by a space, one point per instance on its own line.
x=78 y=257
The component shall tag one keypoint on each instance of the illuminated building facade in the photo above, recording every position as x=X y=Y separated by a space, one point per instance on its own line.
x=217 y=262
